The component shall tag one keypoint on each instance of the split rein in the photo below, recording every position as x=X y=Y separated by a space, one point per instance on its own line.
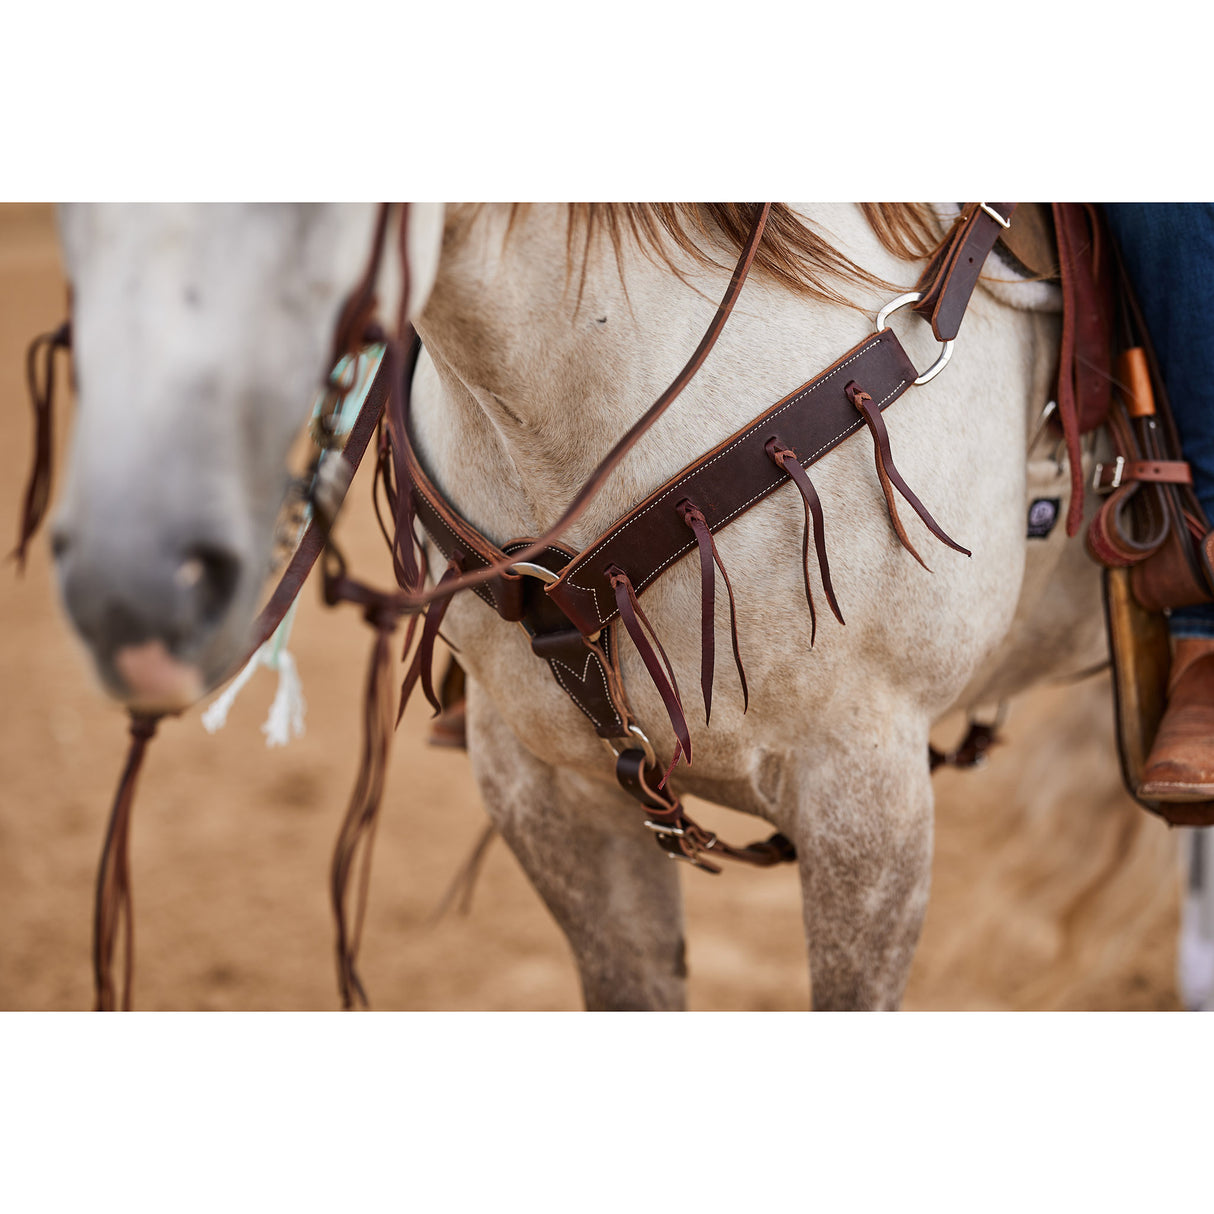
x=567 y=602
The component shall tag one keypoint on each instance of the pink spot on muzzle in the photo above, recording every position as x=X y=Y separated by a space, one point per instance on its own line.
x=155 y=680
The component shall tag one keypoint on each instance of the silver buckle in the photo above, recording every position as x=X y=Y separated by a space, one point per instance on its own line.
x=661 y=828
x=946 y=350
x=1118 y=469
x=990 y=210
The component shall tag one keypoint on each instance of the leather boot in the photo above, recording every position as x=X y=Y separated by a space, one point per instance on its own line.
x=1180 y=766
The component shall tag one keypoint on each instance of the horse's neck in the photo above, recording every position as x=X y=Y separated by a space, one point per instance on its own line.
x=529 y=389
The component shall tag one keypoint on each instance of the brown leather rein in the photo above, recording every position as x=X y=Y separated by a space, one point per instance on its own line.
x=568 y=602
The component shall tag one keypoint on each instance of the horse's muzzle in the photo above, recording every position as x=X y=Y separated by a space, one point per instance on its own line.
x=161 y=633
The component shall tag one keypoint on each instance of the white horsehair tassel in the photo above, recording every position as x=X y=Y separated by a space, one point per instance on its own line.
x=286 y=715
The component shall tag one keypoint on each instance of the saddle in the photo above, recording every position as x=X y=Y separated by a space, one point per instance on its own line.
x=1149 y=533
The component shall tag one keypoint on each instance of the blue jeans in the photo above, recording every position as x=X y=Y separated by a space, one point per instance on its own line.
x=1168 y=250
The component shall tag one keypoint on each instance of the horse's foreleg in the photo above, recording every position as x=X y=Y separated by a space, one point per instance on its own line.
x=613 y=893
x=863 y=833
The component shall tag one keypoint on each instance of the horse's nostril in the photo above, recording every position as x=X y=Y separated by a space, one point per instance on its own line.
x=59 y=544
x=212 y=574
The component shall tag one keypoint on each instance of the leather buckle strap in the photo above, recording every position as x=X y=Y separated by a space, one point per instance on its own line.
x=949 y=280
x=680 y=837
x=1108 y=477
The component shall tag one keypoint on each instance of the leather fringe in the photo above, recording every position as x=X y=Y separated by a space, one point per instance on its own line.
x=890 y=476
x=693 y=516
x=786 y=459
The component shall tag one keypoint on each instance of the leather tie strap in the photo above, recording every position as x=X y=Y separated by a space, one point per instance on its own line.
x=42 y=398
x=633 y=616
x=710 y=557
x=888 y=474
x=786 y=459
x=423 y=657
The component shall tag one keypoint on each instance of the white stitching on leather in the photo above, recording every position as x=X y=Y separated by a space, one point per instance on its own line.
x=599 y=615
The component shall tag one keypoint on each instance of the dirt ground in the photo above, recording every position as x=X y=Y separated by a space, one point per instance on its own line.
x=1051 y=889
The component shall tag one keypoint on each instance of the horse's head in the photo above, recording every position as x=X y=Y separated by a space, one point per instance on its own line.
x=200 y=336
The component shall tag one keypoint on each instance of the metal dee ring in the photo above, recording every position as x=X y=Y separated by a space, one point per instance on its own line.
x=946 y=351
x=545 y=575
x=637 y=733
x=536 y=571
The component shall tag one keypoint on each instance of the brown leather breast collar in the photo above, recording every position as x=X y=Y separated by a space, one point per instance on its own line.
x=569 y=602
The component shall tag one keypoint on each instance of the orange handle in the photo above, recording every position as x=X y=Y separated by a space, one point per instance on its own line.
x=1135 y=380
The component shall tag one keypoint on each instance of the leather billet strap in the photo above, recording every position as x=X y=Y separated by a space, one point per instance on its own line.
x=731 y=478
x=1083 y=391
x=1167 y=472
x=952 y=274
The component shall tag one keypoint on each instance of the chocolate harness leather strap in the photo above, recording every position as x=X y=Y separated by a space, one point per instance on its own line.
x=950 y=277
x=730 y=479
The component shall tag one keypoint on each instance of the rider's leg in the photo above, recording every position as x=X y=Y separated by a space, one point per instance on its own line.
x=1168 y=249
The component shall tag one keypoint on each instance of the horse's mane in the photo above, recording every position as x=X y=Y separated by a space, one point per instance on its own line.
x=791 y=252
